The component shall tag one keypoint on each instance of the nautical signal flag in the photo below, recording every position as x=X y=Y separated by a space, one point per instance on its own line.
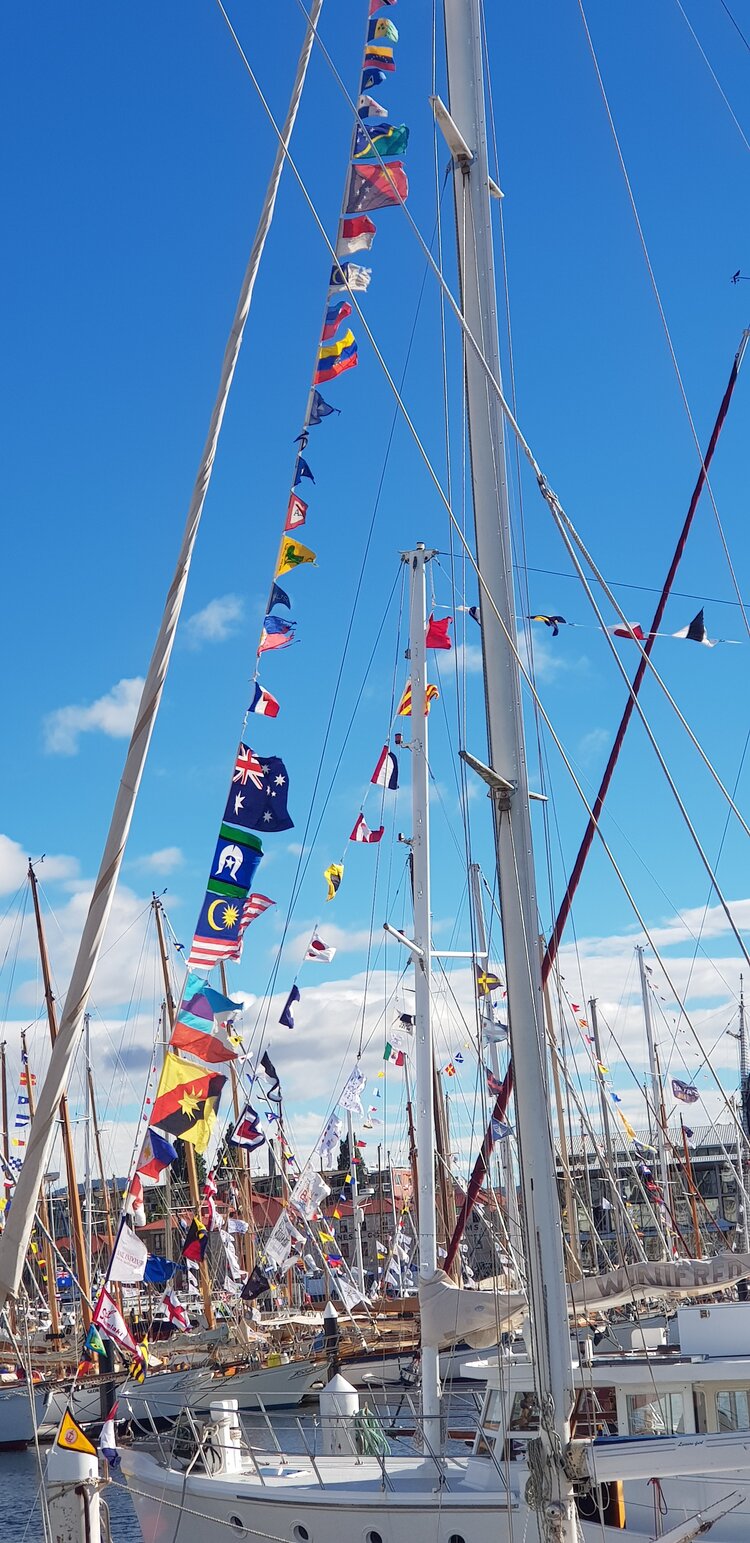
x=695 y=631
x=379 y=57
x=335 y=315
x=376 y=187
x=156 y=1155
x=356 y=235
x=404 y=707
x=287 y=1012
x=247 y=1132
x=385 y=774
x=630 y=630
x=486 y=981
x=253 y=907
x=379 y=5
x=334 y=359
x=322 y=952
x=553 y=622
x=382 y=29
x=187 y=1100
x=110 y=1322
x=350 y=276
x=273 y=1094
x=362 y=831
x=437 y=632
x=374 y=141
x=263 y=703
x=296 y=513
x=302 y=470
x=292 y=554
x=70 y=1437
x=276 y=633
x=320 y=410
x=333 y=875
x=258 y=795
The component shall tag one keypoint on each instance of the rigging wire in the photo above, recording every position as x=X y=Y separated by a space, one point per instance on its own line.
x=713 y=74
x=735 y=24
x=661 y=310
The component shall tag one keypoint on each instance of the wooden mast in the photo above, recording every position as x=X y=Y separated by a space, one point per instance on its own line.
x=192 y=1171
x=47 y=1255
x=246 y=1182
x=74 y=1199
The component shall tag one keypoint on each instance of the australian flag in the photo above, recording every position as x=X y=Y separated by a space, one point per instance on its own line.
x=258 y=795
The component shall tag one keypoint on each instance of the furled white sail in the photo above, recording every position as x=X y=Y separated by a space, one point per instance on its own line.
x=658 y=1278
x=15 y=1238
x=450 y=1313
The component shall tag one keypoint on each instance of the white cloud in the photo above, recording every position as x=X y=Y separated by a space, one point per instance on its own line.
x=14 y=863
x=593 y=743
x=112 y=714
x=468 y=658
x=216 y=622
x=165 y=860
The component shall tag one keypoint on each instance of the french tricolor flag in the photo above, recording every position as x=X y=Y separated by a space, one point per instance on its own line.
x=263 y=703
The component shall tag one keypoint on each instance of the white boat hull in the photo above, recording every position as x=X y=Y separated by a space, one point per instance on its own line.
x=288 y=1502
x=19 y=1413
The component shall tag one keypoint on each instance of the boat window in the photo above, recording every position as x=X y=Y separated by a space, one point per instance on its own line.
x=493 y=1410
x=733 y=1409
x=595 y=1413
x=699 y=1411
x=373 y=1537
x=524 y=1415
x=650 y=1415
x=300 y=1534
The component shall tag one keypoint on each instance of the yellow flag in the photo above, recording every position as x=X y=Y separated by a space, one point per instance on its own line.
x=629 y=1132
x=404 y=707
x=71 y=1438
x=334 y=873
x=292 y=554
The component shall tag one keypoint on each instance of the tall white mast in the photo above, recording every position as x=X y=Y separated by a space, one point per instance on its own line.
x=15 y=1238
x=420 y=850
x=467 y=136
x=656 y=1100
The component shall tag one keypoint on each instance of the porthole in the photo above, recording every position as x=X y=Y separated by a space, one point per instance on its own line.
x=239 y=1526
x=301 y=1534
x=373 y=1537
x=455 y=1537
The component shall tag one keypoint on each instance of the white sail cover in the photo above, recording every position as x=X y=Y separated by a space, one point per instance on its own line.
x=450 y=1313
x=658 y=1278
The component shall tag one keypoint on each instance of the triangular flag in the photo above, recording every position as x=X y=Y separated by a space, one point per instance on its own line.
x=70 y=1436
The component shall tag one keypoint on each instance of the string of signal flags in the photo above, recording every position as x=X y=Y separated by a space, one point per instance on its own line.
x=693 y=632
x=257 y=801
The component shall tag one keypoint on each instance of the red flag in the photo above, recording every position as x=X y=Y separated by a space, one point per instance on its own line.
x=633 y=630
x=296 y=513
x=437 y=633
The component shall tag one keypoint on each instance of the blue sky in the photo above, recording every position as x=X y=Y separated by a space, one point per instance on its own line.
x=137 y=157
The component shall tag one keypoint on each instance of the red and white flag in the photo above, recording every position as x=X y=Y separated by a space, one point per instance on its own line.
x=296 y=513
x=319 y=950
x=176 y=1313
x=362 y=831
x=253 y=907
x=109 y=1320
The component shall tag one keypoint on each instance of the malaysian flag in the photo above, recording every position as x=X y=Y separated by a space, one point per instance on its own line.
x=254 y=906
